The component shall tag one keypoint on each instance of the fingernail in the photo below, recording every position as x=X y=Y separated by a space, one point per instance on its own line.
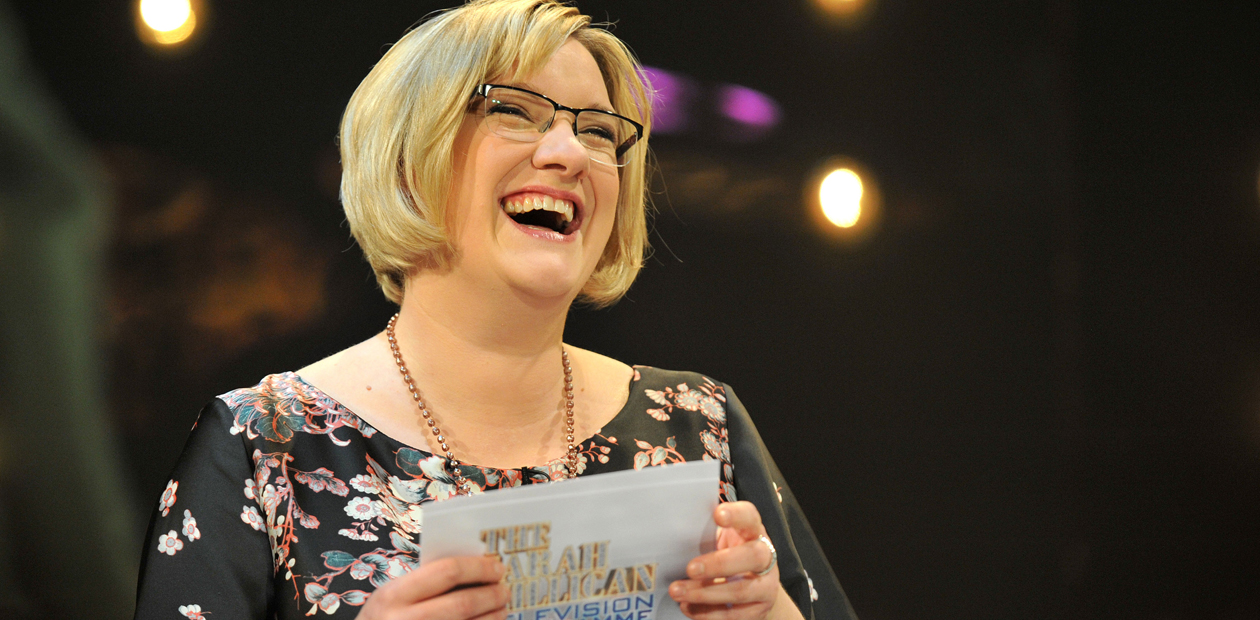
x=500 y=569
x=695 y=570
x=724 y=513
x=676 y=590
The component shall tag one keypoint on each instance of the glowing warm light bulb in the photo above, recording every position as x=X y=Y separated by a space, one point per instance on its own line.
x=840 y=194
x=165 y=15
x=839 y=7
x=168 y=21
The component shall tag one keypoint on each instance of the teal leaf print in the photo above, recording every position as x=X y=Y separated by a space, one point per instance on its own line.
x=380 y=568
x=279 y=426
x=408 y=460
x=337 y=559
x=322 y=479
x=404 y=544
x=354 y=597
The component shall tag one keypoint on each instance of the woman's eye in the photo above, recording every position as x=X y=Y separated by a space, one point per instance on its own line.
x=603 y=133
x=507 y=108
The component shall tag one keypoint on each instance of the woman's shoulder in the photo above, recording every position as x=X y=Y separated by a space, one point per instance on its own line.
x=279 y=390
x=284 y=405
x=651 y=375
x=661 y=392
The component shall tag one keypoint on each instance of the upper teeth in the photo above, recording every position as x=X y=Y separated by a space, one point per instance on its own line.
x=532 y=202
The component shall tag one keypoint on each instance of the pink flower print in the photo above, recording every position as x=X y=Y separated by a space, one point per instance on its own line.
x=168 y=497
x=657 y=397
x=357 y=535
x=250 y=486
x=661 y=399
x=190 y=527
x=712 y=409
x=250 y=515
x=397 y=568
x=688 y=400
x=659 y=414
x=362 y=509
x=360 y=570
x=441 y=485
x=559 y=470
x=366 y=484
x=192 y=612
x=657 y=455
x=169 y=543
x=716 y=446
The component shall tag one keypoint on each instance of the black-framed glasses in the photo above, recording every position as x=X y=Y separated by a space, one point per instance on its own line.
x=524 y=115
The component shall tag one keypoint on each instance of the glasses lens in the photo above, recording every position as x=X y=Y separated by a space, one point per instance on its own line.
x=602 y=134
x=517 y=115
x=524 y=116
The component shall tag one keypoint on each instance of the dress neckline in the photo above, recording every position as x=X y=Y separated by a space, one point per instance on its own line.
x=635 y=377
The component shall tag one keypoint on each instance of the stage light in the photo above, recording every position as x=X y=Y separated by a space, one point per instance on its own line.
x=753 y=114
x=165 y=15
x=166 y=22
x=844 y=201
x=673 y=94
x=840 y=195
x=839 y=8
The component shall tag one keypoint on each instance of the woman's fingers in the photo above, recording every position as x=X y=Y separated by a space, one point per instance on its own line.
x=498 y=614
x=733 y=592
x=741 y=517
x=472 y=603
x=698 y=611
x=441 y=576
x=466 y=588
x=750 y=557
x=723 y=585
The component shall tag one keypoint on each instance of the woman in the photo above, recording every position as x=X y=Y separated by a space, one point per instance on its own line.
x=493 y=173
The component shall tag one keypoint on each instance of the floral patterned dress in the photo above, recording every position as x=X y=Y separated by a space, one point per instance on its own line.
x=285 y=504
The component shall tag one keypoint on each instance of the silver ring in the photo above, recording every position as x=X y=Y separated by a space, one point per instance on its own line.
x=774 y=555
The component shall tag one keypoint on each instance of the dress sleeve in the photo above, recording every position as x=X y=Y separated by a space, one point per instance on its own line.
x=206 y=554
x=803 y=568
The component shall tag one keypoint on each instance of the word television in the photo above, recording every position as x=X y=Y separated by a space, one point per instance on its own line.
x=576 y=583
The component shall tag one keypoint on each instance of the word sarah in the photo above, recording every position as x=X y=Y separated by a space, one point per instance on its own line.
x=577 y=573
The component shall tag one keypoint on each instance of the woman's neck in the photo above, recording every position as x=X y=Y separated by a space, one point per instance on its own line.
x=482 y=358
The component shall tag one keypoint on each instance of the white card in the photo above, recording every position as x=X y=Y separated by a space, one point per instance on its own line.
x=602 y=547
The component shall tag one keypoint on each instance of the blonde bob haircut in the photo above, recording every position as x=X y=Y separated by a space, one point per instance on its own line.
x=399 y=129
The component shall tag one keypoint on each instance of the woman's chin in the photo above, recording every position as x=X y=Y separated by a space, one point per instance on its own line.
x=559 y=286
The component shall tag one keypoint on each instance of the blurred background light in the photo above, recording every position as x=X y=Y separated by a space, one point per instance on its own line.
x=674 y=93
x=166 y=22
x=165 y=15
x=844 y=201
x=840 y=195
x=753 y=112
x=839 y=7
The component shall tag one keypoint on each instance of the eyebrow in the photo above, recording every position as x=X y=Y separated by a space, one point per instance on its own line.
x=597 y=106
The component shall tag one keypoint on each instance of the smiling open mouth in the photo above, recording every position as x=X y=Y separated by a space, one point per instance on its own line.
x=541 y=211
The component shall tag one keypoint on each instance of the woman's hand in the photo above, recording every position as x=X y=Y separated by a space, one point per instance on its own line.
x=725 y=584
x=465 y=588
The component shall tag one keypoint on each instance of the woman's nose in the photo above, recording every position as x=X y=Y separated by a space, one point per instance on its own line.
x=559 y=148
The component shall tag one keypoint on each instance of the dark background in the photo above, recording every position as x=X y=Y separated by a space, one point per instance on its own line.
x=1032 y=391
